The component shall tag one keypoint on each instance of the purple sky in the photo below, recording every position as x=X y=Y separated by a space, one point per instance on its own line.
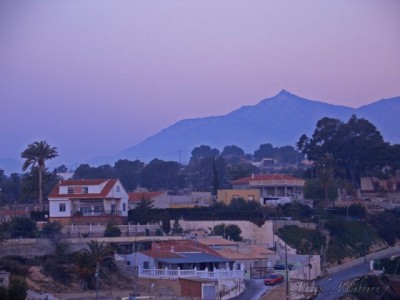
x=95 y=77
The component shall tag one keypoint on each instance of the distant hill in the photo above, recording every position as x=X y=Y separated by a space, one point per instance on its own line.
x=279 y=120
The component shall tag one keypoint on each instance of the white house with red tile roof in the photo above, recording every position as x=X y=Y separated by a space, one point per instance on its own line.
x=88 y=201
x=183 y=254
x=274 y=188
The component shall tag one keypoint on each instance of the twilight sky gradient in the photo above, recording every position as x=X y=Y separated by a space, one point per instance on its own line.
x=95 y=77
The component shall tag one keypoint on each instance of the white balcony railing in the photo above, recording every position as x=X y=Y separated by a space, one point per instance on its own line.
x=167 y=273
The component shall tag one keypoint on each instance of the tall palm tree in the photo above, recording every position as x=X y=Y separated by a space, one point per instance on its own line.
x=82 y=266
x=36 y=155
x=102 y=257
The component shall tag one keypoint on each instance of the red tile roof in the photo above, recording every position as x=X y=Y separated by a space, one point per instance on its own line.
x=246 y=180
x=137 y=196
x=81 y=182
x=12 y=212
x=55 y=193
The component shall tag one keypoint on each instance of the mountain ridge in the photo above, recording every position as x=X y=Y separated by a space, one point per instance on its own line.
x=279 y=120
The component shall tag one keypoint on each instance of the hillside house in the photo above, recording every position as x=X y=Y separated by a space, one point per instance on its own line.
x=226 y=196
x=274 y=188
x=249 y=256
x=88 y=201
x=181 y=254
x=373 y=186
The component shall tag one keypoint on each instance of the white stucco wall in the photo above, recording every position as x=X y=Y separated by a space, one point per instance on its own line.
x=250 y=231
x=54 y=208
x=118 y=191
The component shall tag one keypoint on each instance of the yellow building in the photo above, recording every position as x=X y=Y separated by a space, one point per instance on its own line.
x=226 y=196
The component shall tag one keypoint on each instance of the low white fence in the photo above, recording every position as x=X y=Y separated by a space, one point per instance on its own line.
x=177 y=273
x=93 y=230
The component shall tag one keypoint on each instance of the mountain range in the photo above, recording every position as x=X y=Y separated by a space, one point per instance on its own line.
x=279 y=120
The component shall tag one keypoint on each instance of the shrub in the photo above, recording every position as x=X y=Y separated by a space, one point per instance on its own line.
x=52 y=230
x=231 y=231
x=22 y=227
x=112 y=230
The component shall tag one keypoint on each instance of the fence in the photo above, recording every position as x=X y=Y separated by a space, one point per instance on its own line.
x=98 y=230
x=177 y=273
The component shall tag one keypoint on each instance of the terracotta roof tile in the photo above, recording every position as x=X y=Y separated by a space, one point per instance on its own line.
x=137 y=196
x=83 y=182
x=246 y=180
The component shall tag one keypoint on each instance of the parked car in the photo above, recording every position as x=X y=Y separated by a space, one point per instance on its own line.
x=273 y=279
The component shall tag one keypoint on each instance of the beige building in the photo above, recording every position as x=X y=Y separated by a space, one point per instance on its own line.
x=226 y=196
x=274 y=188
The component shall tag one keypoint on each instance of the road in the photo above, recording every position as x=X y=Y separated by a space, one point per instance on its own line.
x=331 y=287
x=255 y=288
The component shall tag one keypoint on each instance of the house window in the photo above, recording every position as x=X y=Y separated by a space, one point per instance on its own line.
x=124 y=206
x=84 y=210
x=62 y=207
x=98 y=209
x=85 y=190
x=112 y=209
x=118 y=188
x=145 y=265
x=70 y=190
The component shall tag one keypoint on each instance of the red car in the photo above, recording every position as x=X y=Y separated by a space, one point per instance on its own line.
x=273 y=279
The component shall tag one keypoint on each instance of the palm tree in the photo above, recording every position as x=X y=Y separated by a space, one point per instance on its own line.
x=101 y=256
x=35 y=156
x=82 y=267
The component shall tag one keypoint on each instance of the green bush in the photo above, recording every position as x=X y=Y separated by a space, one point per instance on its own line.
x=22 y=227
x=231 y=231
x=112 y=230
x=52 y=231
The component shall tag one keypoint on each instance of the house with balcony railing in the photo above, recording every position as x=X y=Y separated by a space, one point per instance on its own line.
x=88 y=201
x=181 y=258
x=273 y=189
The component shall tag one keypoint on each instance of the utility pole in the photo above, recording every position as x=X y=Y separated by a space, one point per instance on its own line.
x=287 y=273
x=97 y=280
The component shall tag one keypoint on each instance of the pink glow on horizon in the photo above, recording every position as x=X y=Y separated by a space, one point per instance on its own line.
x=107 y=74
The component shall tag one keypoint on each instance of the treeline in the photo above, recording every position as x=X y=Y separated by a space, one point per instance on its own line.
x=340 y=153
x=238 y=209
x=208 y=170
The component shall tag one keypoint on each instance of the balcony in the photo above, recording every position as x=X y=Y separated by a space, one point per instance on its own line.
x=102 y=213
x=178 y=273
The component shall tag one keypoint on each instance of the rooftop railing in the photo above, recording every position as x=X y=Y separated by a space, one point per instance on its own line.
x=178 y=273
